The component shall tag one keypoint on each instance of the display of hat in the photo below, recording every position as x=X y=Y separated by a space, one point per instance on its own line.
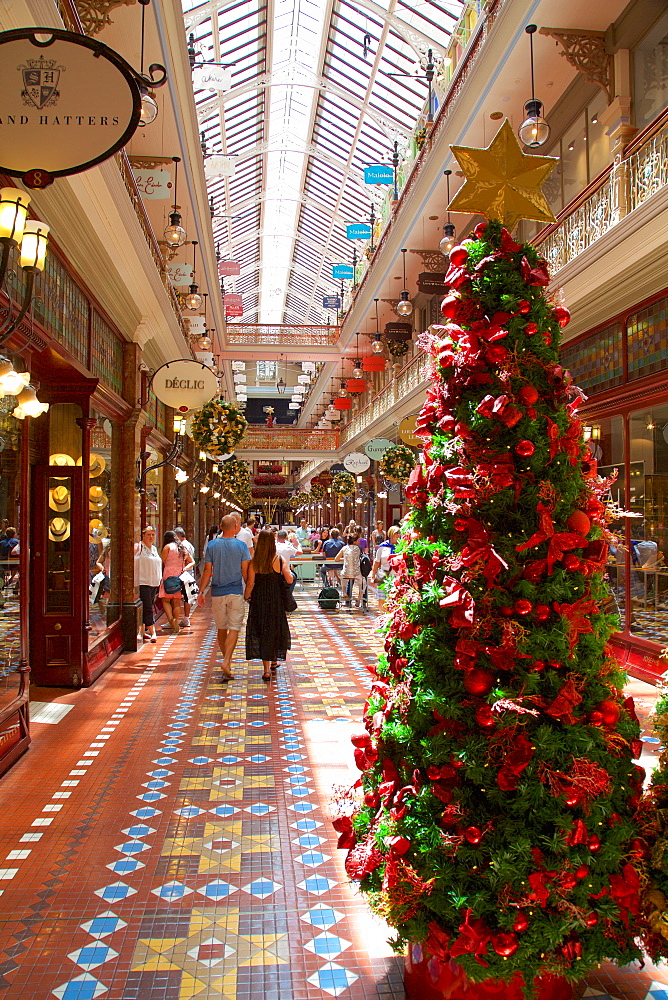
x=59 y=529
x=97 y=498
x=97 y=464
x=97 y=530
x=59 y=458
x=59 y=498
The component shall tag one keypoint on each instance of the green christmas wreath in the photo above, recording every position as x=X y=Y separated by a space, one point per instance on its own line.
x=397 y=348
x=343 y=484
x=218 y=427
x=318 y=492
x=397 y=463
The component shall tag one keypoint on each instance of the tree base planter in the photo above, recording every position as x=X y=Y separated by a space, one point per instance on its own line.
x=427 y=977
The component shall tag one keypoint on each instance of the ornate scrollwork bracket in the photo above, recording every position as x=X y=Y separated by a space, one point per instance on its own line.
x=433 y=260
x=586 y=52
x=173 y=453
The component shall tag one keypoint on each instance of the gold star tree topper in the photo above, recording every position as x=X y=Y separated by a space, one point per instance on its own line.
x=502 y=182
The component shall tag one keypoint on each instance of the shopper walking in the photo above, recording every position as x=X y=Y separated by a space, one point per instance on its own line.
x=351 y=573
x=176 y=559
x=226 y=566
x=245 y=534
x=148 y=574
x=183 y=541
x=382 y=568
x=267 y=631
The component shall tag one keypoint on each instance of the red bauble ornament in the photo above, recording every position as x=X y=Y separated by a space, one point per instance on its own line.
x=528 y=395
x=505 y=945
x=506 y=611
x=538 y=665
x=562 y=316
x=547 y=339
x=473 y=834
x=568 y=881
x=571 y=561
x=531 y=329
x=591 y=920
x=542 y=612
x=594 y=507
x=596 y=718
x=554 y=664
x=523 y=307
x=594 y=843
x=521 y=923
x=497 y=354
x=450 y=306
x=459 y=255
x=525 y=448
x=579 y=522
x=610 y=712
x=478 y=682
x=523 y=607
x=571 y=800
x=582 y=871
x=484 y=716
x=371 y=800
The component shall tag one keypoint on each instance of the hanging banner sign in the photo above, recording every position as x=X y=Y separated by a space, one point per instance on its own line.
x=342 y=271
x=180 y=274
x=379 y=173
x=184 y=385
x=196 y=325
x=356 y=462
x=358 y=231
x=331 y=302
x=229 y=268
x=219 y=166
x=407 y=431
x=212 y=78
x=234 y=305
x=153 y=184
x=67 y=102
x=377 y=447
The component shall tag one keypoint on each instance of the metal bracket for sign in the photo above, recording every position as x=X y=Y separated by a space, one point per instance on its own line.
x=174 y=452
x=197 y=478
x=44 y=37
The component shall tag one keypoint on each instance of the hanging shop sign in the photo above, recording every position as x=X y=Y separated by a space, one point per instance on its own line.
x=184 y=385
x=331 y=302
x=431 y=282
x=154 y=185
x=234 y=305
x=356 y=462
x=337 y=467
x=407 y=431
x=219 y=166
x=344 y=271
x=180 y=273
x=67 y=102
x=212 y=78
x=229 y=268
x=358 y=231
x=379 y=173
x=196 y=325
x=377 y=447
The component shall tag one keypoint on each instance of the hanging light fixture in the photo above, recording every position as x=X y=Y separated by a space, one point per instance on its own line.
x=376 y=363
x=281 y=386
x=193 y=298
x=13 y=215
x=449 y=238
x=357 y=383
x=11 y=381
x=175 y=235
x=534 y=130
x=204 y=343
x=149 y=107
x=28 y=404
x=32 y=257
x=404 y=305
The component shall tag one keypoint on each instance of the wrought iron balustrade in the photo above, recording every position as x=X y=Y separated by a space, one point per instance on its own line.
x=288 y=439
x=280 y=333
x=414 y=374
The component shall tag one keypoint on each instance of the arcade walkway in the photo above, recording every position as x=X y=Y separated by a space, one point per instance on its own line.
x=168 y=837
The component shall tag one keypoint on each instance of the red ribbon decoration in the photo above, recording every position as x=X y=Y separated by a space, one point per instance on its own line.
x=478 y=549
x=473 y=940
x=625 y=890
x=579 y=834
x=344 y=827
x=577 y=617
x=562 y=706
x=461 y=602
x=558 y=542
x=514 y=763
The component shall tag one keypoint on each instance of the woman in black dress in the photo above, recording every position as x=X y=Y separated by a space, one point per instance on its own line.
x=267 y=631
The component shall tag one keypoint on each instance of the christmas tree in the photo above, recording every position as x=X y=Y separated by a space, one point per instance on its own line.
x=499 y=789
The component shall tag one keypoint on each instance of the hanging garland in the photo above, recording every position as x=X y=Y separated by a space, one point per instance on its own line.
x=269 y=467
x=235 y=477
x=269 y=479
x=218 y=427
x=318 y=492
x=343 y=484
x=397 y=463
x=397 y=348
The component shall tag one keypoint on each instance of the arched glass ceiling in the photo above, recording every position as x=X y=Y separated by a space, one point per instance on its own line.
x=312 y=101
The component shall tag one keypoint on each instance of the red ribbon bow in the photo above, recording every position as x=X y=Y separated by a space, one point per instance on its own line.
x=459 y=599
x=474 y=936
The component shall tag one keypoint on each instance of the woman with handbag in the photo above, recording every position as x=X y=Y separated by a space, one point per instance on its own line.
x=382 y=569
x=148 y=576
x=175 y=559
x=267 y=590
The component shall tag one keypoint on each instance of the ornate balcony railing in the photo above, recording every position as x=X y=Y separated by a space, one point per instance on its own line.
x=282 y=333
x=620 y=189
x=409 y=378
x=288 y=439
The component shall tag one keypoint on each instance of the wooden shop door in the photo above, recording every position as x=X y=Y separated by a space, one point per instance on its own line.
x=59 y=576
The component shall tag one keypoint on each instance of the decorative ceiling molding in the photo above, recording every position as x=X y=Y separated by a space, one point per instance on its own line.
x=94 y=14
x=586 y=52
x=433 y=260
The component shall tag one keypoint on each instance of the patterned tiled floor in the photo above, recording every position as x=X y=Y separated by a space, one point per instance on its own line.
x=169 y=836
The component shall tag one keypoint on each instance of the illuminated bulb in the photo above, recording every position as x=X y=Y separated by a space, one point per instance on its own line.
x=13 y=213
x=534 y=130
x=149 y=107
x=28 y=404
x=377 y=346
x=33 y=245
x=204 y=343
x=404 y=306
x=449 y=239
x=11 y=381
x=175 y=234
x=193 y=298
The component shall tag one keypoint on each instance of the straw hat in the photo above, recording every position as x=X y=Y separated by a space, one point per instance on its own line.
x=59 y=458
x=97 y=498
x=59 y=498
x=59 y=529
x=97 y=464
x=96 y=530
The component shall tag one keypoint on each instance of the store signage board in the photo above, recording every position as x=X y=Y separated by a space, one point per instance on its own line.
x=184 y=385
x=229 y=268
x=356 y=462
x=377 y=447
x=358 y=231
x=379 y=173
x=342 y=271
x=180 y=273
x=212 y=78
x=219 y=166
x=407 y=431
x=155 y=185
x=331 y=302
x=234 y=305
x=337 y=467
x=67 y=102
x=196 y=325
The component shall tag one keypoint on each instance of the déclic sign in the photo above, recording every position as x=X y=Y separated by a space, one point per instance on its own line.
x=185 y=385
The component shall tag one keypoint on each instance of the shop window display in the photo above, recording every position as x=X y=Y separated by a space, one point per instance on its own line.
x=153 y=486
x=103 y=526
x=10 y=528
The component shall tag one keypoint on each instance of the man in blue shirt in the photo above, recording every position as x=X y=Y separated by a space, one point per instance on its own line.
x=226 y=565
x=331 y=549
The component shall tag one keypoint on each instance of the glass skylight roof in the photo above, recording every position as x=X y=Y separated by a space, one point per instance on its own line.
x=317 y=93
